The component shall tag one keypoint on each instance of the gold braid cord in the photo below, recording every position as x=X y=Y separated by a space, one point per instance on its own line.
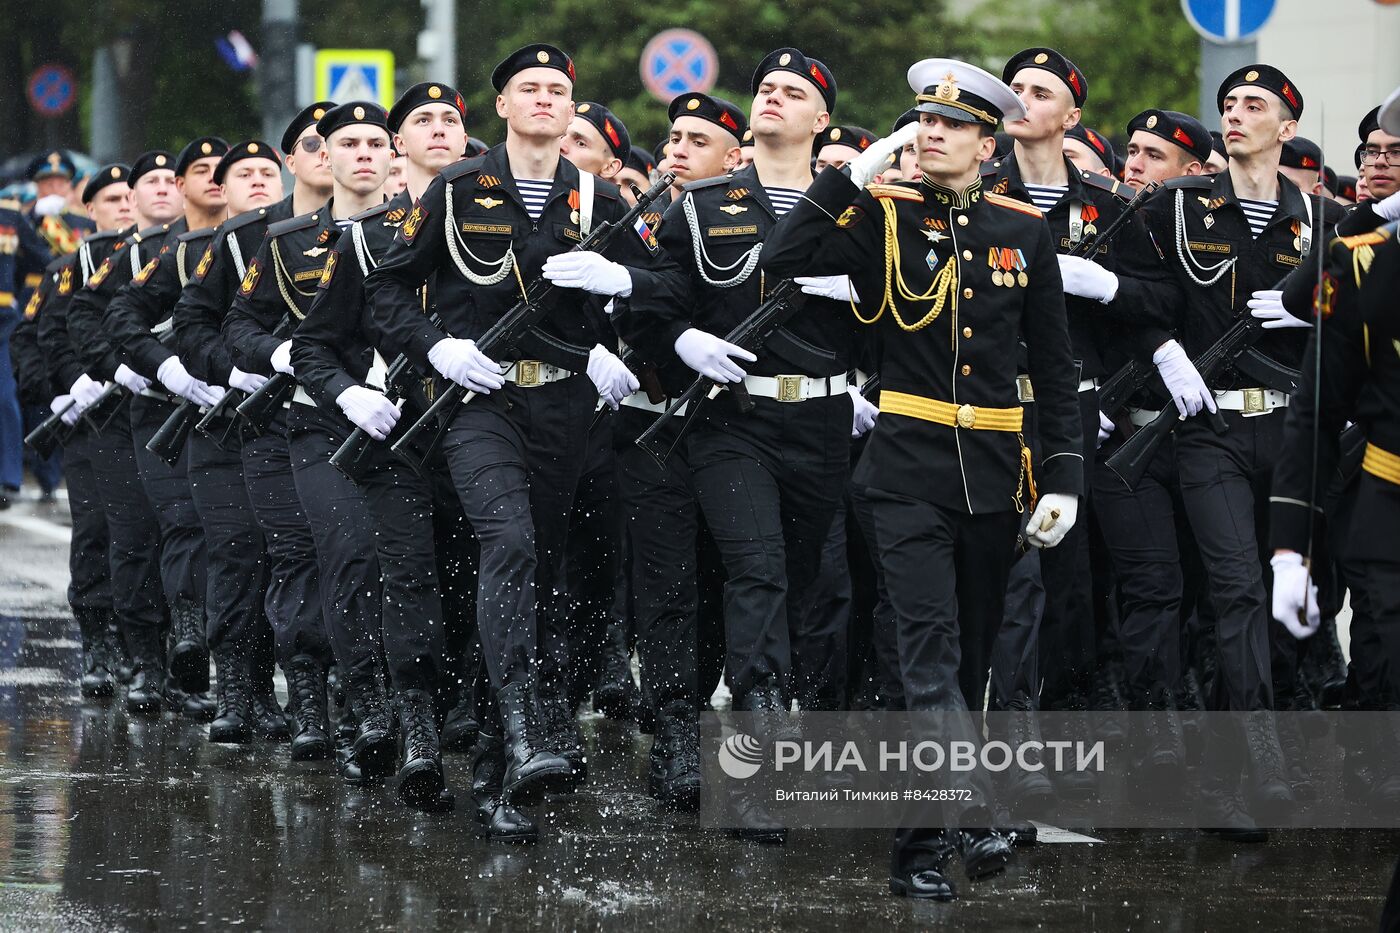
x=945 y=282
x=283 y=279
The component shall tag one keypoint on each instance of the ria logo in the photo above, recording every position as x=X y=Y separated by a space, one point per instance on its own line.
x=740 y=756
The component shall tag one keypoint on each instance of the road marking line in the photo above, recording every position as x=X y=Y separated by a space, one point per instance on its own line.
x=1053 y=834
x=39 y=526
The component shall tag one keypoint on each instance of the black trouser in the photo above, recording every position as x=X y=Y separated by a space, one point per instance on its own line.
x=1139 y=529
x=515 y=457
x=89 y=574
x=819 y=653
x=672 y=567
x=294 y=588
x=182 y=554
x=1225 y=490
x=594 y=528
x=884 y=642
x=457 y=557
x=133 y=533
x=1371 y=562
x=769 y=483
x=235 y=612
x=946 y=574
x=374 y=544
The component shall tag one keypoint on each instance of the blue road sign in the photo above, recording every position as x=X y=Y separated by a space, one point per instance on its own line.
x=52 y=90
x=1227 y=20
x=677 y=61
x=355 y=74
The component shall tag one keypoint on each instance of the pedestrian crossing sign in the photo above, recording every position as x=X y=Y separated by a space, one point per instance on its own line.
x=355 y=74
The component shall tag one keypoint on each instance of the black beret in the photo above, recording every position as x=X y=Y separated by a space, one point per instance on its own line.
x=248 y=149
x=1329 y=178
x=747 y=138
x=56 y=162
x=1301 y=153
x=1346 y=187
x=1356 y=156
x=1175 y=127
x=1098 y=144
x=107 y=175
x=1056 y=64
x=852 y=136
x=613 y=130
x=794 y=61
x=1267 y=77
x=420 y=95
x=658 y=152
x=1005 y=145
x=201 y=148
x=349 y=114
x=1369 y=123
x=905 y=118
x=301 y=121
x=1217 y=145
x=149 y=162
x=538 y=55
x=639 y=160
x=716 y=110
x=476 y=147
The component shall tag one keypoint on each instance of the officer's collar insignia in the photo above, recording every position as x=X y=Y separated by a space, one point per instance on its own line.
x=737 y=194
x=315 y=252
x=958 y=199
x=489 y=202
x=487 y=181
x=733 y=209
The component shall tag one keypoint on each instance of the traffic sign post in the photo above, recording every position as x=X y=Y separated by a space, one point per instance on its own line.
x=1227 y=21
x=52 y=90
x=355 y=74
x=678 y=61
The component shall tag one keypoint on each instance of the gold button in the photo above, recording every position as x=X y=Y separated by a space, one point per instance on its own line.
x=966 y=370
x=962 y=220
x=967 y=331
x=967 y=293
x=967 y=255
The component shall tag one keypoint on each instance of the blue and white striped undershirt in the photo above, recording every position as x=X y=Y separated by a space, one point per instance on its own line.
x=535 y=194
x=1258 y=213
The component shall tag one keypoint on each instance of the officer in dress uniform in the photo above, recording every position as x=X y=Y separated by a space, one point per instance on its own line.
x=946 y=468
x=52 y=174
x=485 y=227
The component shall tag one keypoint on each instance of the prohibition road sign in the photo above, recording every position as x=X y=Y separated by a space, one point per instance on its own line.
x=52 y=90
x=677 y=61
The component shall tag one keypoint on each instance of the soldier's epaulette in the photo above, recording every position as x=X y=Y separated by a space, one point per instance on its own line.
x=373 y=211
x=1190 y=181
x=1002 y=200
x=1374 y=238
x=293 y=224
x=894 y=193
x=190 y=235
x=607 y=189
x=708 y=182
x=56 y=266
x=243 y=220
x=990 y=167
x=1112 y=185
x=101 y=237
x=465 y=167
x=154 y=230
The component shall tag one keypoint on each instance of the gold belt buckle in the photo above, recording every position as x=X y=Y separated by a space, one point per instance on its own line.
x=1024 y=392
x=789 y=388
x=527 y=374
x=1254 y=401
x=967 y=416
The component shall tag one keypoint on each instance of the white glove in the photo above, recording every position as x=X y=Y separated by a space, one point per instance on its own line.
x=71 y=415
x=863 y=418
x=369 y=411
x=872 y=161
x=49 y=205
x=132 y=381
x=612 y=377
x=1054 y=529
x=86 y=391
x=1292 y=586
x=1087 y=279
x=590 y=272
x=1388 y=207
x=464 y=364
x=282 y=358
x=1106 y=427
x=835 y=287
x=173 y=375
x=710 y=356
x=1267 y=306
x=1189 y=391
x=245 y=382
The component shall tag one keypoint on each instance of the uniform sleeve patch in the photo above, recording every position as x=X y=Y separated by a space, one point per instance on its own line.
x=250 y=279
x=329 y=271
x=65 y=281
x=101 y=274
x=413 y=223
x=205 y=261
x=850 y=217
x=147 y=271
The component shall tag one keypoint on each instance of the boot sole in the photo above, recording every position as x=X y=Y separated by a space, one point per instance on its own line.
x=311 y=749
x=532 y=788
x=230 y=737
x=522 y=837
x=987 y=867
x=900 y=889
x=420 y=784
x=375 y=753
x=190 y=668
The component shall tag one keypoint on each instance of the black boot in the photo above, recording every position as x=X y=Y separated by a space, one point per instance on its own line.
x=420 y=776
x=189 y=654
x=233 y=719
x=97 y=681
x=1106 y=699
x=1027 y=792
x=561 y=735
x=1270 y=790
x=306 y=682
x=532 y=770
x=985 y=852
x=145 y=696
x=460 y=728
x=616 y=695
x=376 y=734
x=771 y=721
x=118 y=651
x=269 y=718
x=1324 y=666
x=929 y=884
x=1294 y=745
x=1228 y=819
x=1165 y=746
x=496 y=819
x=675 y=758
x=197 y=707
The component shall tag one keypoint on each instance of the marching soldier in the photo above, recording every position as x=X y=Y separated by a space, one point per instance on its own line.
x=23 y=256
x=838 y=145
x=53 y=174
x=1378 y=161
x=946 y=468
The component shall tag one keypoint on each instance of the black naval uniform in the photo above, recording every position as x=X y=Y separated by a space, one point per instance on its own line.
x=768 y=482
x=946 y=495
x=515 y=454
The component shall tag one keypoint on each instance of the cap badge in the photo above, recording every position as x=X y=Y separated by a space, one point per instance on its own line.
x=319 y=112
x=836 y=134
x=584 y=108
x=543 y=57
x=948 y=88
x=785 y=60
x=206 y=148
x=1152 y=121
x=1251 y=76
x=116 y=172
x=693 y=104
x=252 y=147
x=434 y=91
x=1042 y=58
x=359 y=113
x=160 y=160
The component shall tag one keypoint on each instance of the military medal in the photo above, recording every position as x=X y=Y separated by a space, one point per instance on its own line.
x=996 y=276
x=1019 y=261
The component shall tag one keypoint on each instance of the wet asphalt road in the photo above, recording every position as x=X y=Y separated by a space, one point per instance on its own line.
x=114 y=823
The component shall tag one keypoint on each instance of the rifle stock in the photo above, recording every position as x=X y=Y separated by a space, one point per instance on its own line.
x=260 y=407
x=51 y=433
x=169 y=440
